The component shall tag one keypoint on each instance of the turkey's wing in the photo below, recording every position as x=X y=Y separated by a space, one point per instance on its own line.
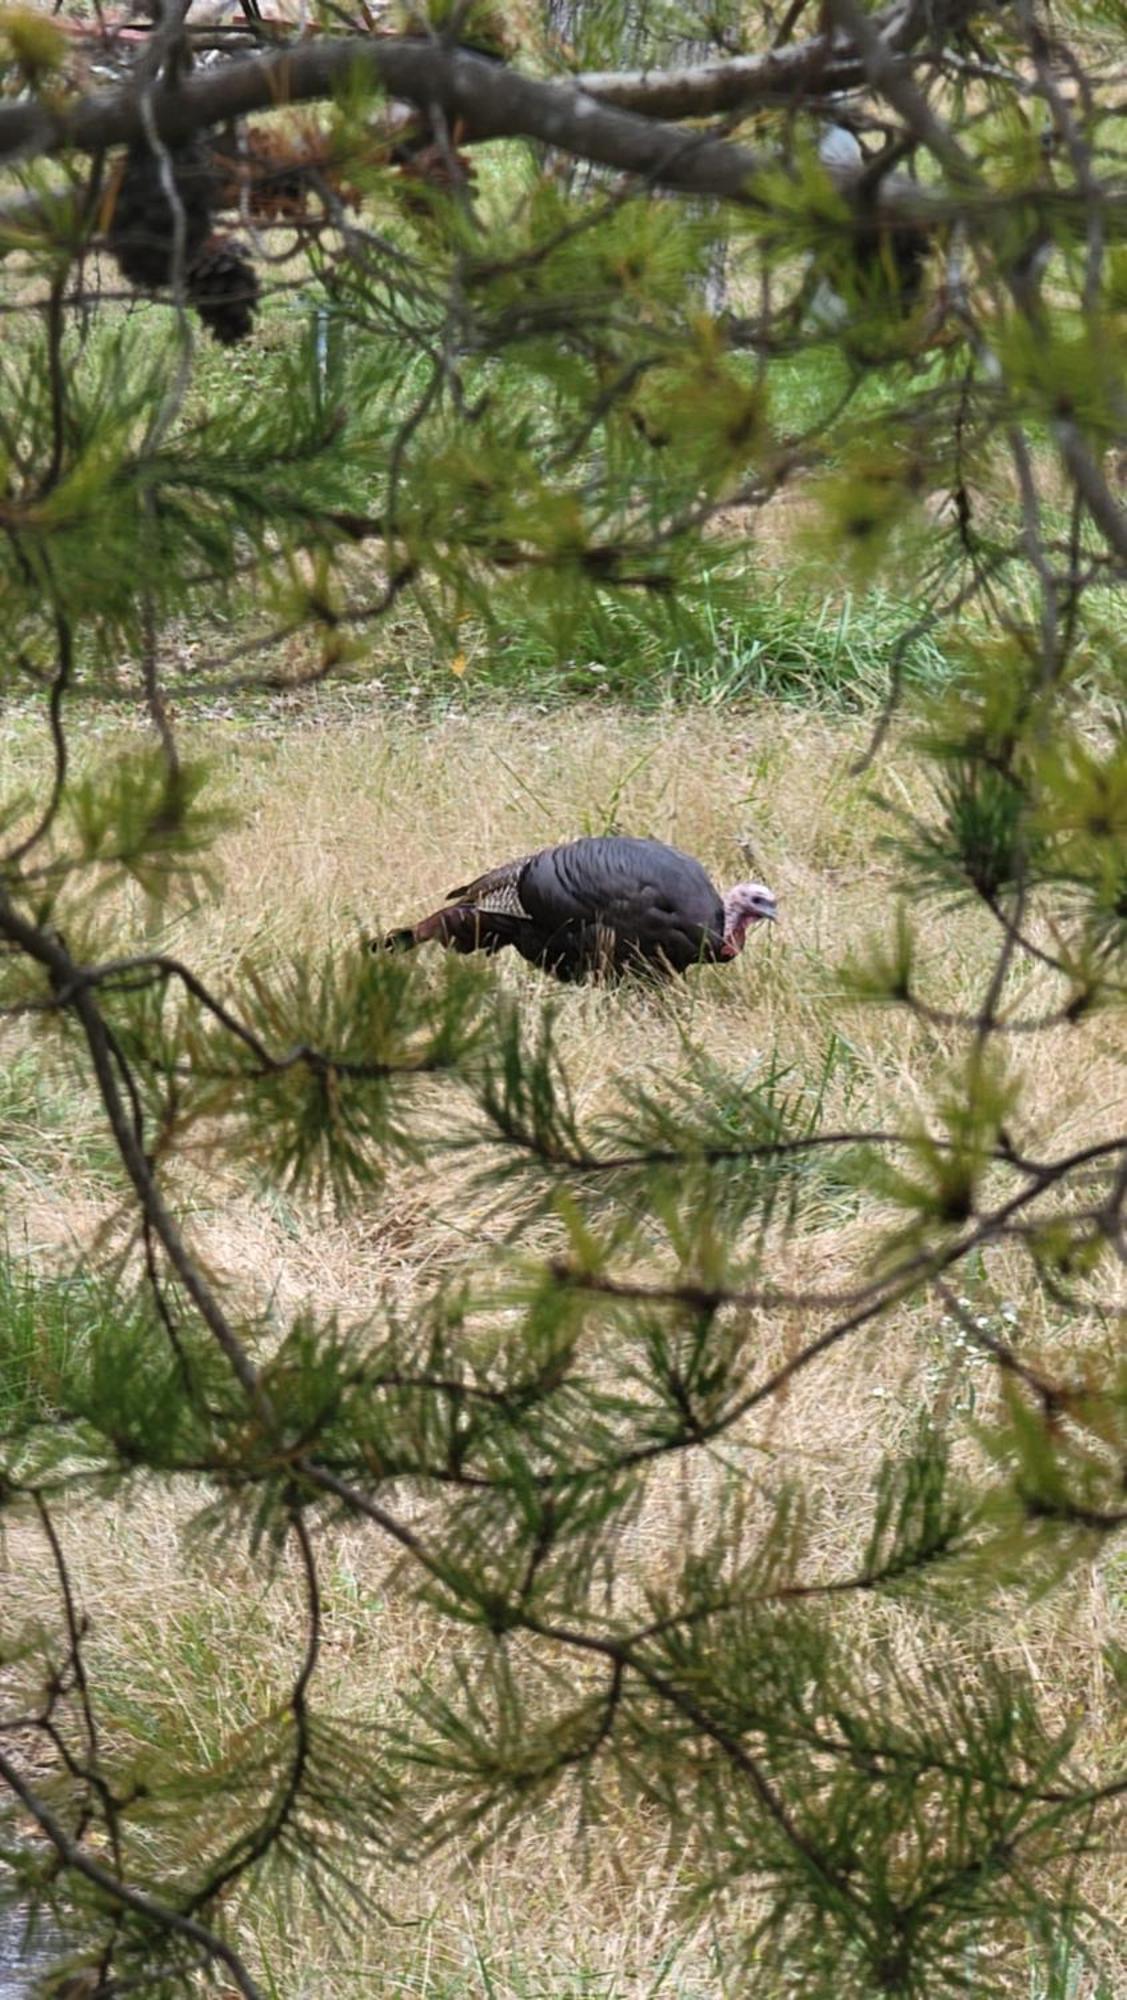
x=498 y=888
x=653 y=900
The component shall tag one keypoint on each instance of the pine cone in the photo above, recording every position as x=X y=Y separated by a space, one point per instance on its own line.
x=224 y=289
x=142 y=227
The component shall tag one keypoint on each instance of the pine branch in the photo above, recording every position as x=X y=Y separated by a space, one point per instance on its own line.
x=122 y=1895
x=52 y=955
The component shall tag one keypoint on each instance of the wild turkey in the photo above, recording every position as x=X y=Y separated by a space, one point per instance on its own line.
x=596 y=908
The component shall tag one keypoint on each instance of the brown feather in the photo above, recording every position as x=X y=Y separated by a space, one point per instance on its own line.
x=497 y=888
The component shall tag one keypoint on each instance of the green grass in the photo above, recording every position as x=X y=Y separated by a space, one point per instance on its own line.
x=1068 y=1975
x=739 y=643
x=805 y=650
x=46 y=1324
x=41 y=1118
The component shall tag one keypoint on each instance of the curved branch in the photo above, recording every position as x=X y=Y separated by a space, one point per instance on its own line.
x=825 y=63
x=120 y=1893
x=49 y=952
x=486 y=99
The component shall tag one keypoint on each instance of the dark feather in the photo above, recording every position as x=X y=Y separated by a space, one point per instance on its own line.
x=634 y=902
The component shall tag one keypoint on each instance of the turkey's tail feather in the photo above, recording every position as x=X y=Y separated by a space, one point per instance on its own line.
x=459 y=927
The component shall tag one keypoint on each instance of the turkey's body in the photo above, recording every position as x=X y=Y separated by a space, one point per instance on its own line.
x=589 y=908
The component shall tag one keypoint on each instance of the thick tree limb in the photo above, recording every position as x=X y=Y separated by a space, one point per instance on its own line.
x=596 y=118
x=488 y=100
x=826 y=62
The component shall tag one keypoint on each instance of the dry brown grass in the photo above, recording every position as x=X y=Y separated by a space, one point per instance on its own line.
x=350 y=818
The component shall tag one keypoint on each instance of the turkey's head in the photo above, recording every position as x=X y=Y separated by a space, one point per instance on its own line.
x=748 y=903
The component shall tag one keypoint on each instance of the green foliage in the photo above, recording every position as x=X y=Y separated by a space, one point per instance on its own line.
x=44 y=1326
x=738 y=635
x=33 y=45
x=1066 y=371
x=144 y=818
x=328 y=1110
x=942 y=1185
x=870 y=510
x=90 y=1380
x=496 y=400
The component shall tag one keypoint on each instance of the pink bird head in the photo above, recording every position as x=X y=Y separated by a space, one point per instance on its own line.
x=748 y=903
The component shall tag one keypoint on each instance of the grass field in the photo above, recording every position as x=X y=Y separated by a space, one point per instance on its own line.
x=351 y=815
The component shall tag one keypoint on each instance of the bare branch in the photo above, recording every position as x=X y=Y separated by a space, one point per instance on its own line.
x=825 y=63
